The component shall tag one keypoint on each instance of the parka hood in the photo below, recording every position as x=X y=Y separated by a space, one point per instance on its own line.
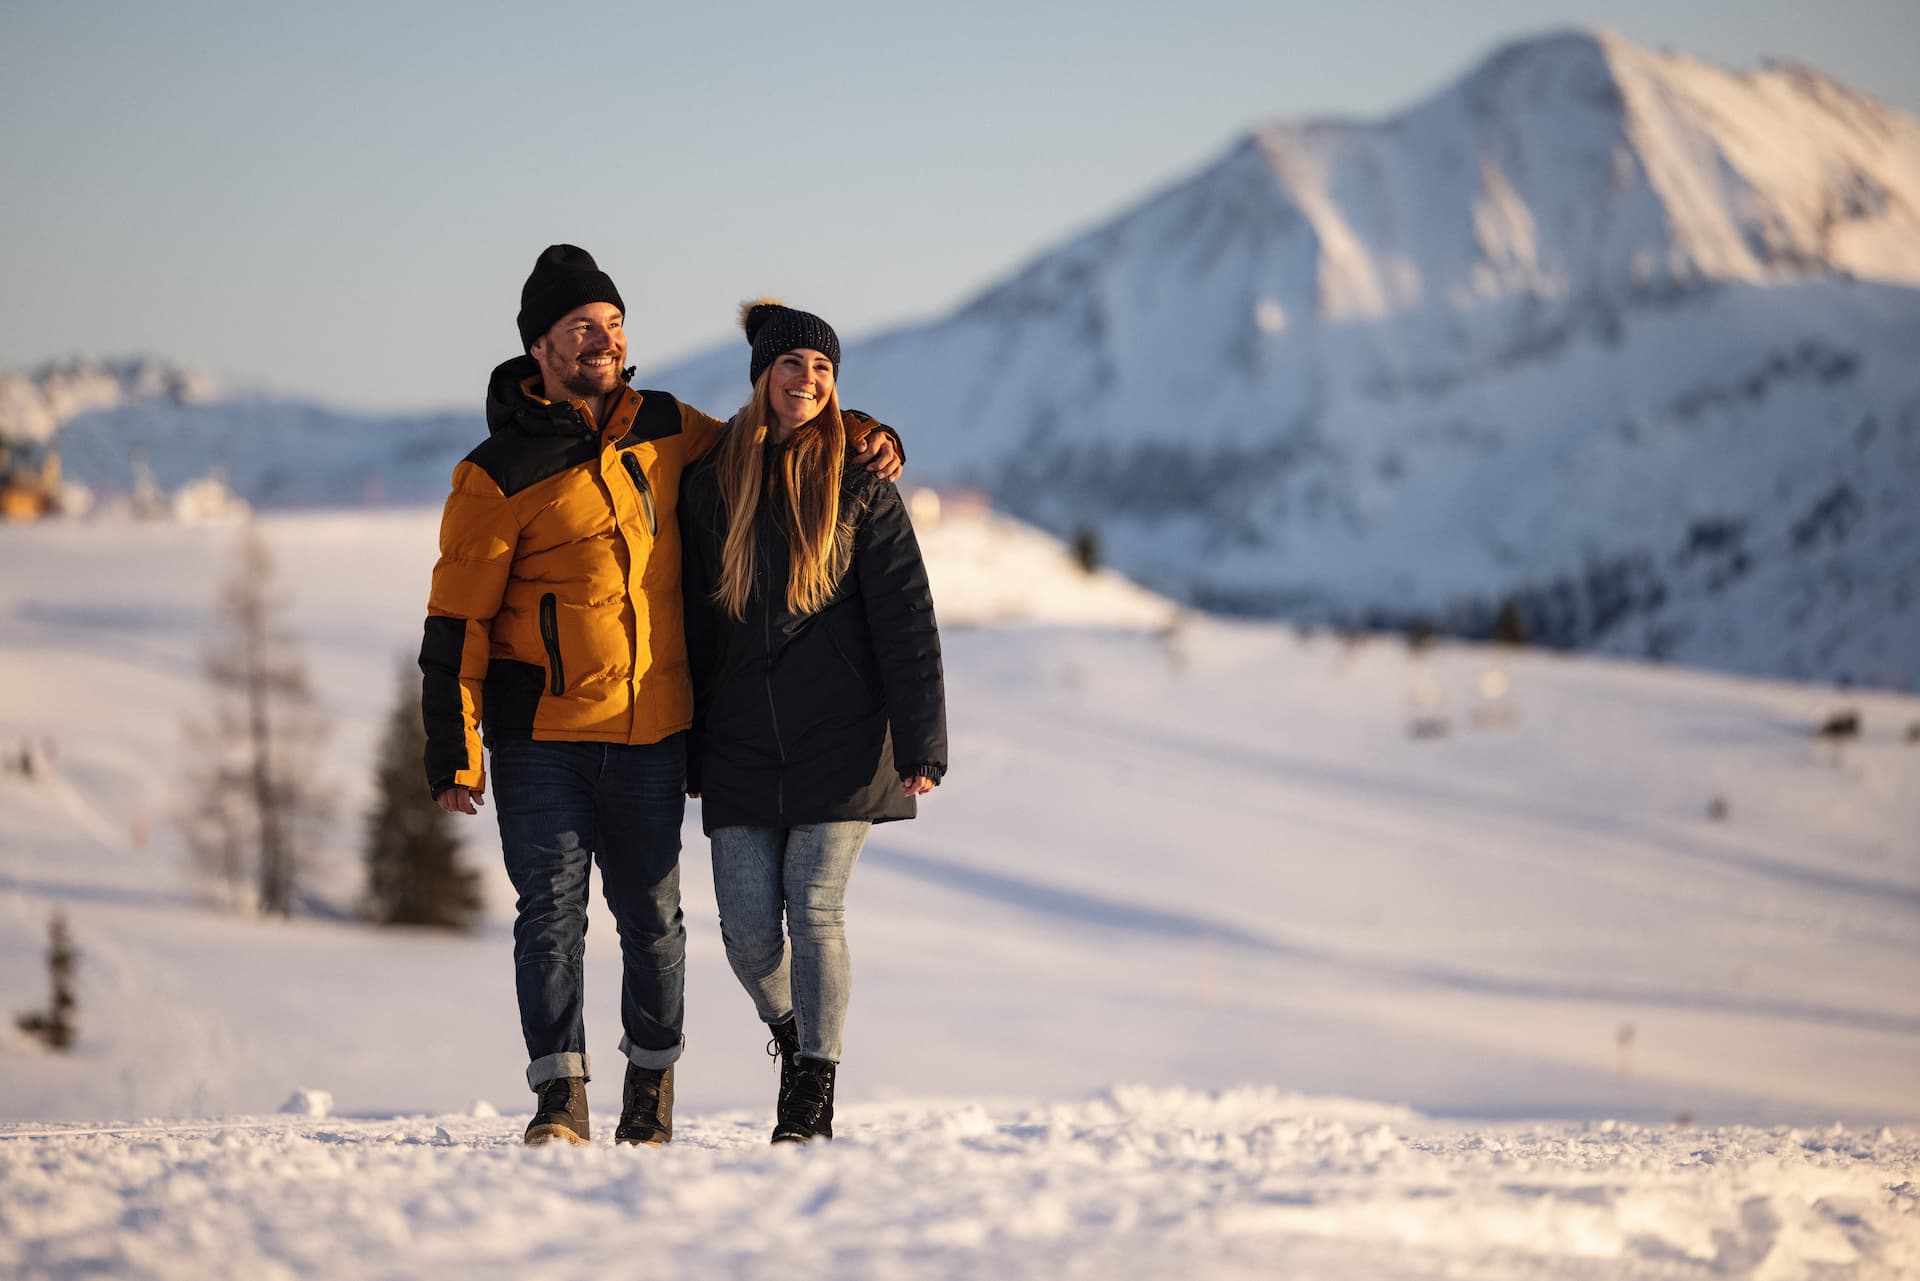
x=510 y=407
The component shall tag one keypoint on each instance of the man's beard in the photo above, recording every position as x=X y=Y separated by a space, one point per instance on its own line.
x=585 y=382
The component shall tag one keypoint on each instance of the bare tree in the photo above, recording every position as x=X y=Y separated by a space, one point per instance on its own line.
x=255 y=802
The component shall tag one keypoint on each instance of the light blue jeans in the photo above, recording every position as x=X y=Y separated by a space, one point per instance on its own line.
x=761 y=872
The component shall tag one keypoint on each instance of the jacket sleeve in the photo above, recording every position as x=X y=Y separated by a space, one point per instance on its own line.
x=906 y=640
x=860 y=423
x=702 y=430
x=478 y=534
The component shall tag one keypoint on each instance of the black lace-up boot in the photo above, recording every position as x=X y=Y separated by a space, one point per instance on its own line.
x=806 y=1110
x=561 y=1115
x=646 y=1107
x=784 y=1046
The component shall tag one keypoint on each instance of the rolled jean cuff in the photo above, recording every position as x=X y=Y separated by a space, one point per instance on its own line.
x=640 y=1056
x=555 y=1066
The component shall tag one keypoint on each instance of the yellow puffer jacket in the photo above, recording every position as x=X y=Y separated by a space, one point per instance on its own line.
x=555 y=610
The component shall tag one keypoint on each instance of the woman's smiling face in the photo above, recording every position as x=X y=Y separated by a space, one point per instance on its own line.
x=798 y=384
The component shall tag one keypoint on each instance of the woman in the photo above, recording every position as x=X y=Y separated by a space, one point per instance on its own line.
x=818 y=702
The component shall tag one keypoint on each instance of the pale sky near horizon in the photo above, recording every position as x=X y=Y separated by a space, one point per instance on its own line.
x=340 y=201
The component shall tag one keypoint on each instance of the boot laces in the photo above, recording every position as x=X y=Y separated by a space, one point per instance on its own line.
x=808 y=1096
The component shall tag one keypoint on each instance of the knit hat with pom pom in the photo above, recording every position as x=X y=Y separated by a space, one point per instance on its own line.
x=564 y=277
x=773 y=327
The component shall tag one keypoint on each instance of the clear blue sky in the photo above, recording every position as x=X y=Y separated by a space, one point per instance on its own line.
x=340 y=199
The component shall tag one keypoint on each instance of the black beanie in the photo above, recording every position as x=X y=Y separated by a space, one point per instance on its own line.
x=773 y=327
x=564 y=277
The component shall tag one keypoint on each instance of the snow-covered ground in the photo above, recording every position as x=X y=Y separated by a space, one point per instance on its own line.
x=1201 y=963
x=1131 y=1183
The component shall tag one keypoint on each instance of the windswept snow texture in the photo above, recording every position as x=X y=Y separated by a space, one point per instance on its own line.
x=1133 y=1183
x=1200 y=963
x=1617 y=335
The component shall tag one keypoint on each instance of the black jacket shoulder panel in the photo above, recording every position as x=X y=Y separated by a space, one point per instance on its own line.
x=516 y=462
x=529 y=440
x=657 y=419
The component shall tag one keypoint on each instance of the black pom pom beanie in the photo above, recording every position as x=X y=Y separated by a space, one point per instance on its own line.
x=773 y=327
x=564 y=277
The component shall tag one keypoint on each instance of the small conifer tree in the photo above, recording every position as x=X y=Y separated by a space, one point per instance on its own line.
x=1510 y=626
x=54 y=1025
x=1086 y=548
x=415 y=875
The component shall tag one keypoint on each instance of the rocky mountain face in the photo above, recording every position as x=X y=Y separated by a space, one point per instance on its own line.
x=1616 y=339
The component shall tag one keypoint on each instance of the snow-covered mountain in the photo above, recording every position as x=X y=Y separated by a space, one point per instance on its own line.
x=34 y=405
x=1619 y=335
x=113 y=420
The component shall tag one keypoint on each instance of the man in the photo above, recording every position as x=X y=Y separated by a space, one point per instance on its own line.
x=554 y=621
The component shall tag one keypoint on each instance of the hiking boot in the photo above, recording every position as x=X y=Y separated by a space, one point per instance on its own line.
x=784 y=1046
x=646 y=1107
x=562 y=1113
x=806 y=1110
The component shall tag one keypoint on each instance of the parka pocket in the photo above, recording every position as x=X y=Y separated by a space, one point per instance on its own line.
x=550 y=637
x=632 y=465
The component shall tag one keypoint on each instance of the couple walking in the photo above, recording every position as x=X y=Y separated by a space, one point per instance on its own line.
x=634 y=603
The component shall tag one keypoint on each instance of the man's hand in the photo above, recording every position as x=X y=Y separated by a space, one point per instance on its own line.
x=461 y=800
x=878 y=453
x=918 y=785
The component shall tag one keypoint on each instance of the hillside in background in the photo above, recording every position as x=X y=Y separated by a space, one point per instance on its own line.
x=1612 y=340
x=1223 y=949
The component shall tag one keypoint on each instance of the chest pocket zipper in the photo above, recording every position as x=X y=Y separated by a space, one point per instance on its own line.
x=550 y=634
x=632 y=465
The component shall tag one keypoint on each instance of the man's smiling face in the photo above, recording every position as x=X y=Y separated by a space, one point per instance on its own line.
x=582 y=355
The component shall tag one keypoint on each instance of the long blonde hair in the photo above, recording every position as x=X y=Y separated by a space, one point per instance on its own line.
x=809 y=480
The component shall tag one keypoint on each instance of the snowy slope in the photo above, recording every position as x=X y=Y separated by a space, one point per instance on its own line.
x=1150 y=989
x=1619 y=334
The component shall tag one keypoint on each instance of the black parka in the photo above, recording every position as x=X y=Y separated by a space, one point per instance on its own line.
x=811 y=718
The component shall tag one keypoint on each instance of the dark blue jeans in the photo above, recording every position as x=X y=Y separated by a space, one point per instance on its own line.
x=562 y=806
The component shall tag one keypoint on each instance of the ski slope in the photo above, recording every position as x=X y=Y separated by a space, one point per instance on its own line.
x=1201 y=963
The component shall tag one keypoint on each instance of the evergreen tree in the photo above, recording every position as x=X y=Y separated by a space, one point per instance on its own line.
x=415 y=875
x=54 y=1025
x=1510 y=626
x=255 y=802
x=1086 y=549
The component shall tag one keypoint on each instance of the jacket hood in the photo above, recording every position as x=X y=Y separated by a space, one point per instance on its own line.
x=509 y=407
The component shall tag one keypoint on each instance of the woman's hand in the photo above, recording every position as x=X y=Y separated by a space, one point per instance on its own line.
x=918 y=785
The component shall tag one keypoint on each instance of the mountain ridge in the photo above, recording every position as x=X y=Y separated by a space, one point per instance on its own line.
x=1530 y=341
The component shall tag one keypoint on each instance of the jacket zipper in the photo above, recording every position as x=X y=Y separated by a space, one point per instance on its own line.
x=550 y=633
x=773 y=711
x=632 y=465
